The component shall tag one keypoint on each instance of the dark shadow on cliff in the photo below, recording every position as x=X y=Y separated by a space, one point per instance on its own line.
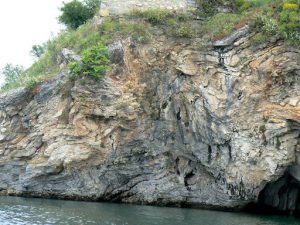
x=281 y=197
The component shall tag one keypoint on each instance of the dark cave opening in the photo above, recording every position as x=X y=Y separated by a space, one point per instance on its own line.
x=279 y=197
x=283 y=195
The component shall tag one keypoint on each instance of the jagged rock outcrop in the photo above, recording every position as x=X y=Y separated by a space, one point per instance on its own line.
x=171 y=124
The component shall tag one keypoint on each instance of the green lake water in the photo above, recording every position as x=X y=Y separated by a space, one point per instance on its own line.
x=19 y=211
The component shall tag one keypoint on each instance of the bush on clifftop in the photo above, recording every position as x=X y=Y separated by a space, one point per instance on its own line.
x=281 y=19
x=76 y=13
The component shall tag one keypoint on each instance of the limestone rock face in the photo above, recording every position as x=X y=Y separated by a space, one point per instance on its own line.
x=170 y=125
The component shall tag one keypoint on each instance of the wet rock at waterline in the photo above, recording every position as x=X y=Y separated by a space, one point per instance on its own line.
x=170 y=125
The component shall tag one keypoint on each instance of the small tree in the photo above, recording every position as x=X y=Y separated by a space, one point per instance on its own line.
x=76 y=13
x=37 y=51
x=12 y=72
x=95 y=63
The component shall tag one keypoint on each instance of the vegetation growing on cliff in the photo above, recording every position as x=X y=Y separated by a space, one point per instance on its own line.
x=281 y=19
x=219 y=18
x=278 y=18
x=174 y=24
x=37 y=51
x=94 y=63
x=76 y=13
x=84 y=37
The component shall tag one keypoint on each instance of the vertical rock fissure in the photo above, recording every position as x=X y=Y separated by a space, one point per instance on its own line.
x=228 y=76
x=229 y=152
x=209 y=154
x=69 y=102
x=179 y=124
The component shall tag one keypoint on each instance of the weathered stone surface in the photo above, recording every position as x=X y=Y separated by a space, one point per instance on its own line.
x=187 y=62
x=119 y=7
x=67 y=56
x=150 y=134
x=232 y=38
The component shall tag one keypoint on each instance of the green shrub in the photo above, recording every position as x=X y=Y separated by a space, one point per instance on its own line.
x=244 y=5
x=266 y=24
x=75 y=69
x=289 y=25
x=282 y=20
x=85 y=37
x=95 y=63
x=76 y=13
x=290 y=6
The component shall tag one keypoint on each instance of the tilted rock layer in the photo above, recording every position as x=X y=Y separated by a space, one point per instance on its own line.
x=172 y=124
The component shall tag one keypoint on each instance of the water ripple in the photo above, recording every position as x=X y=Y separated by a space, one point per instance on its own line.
x=24 y=211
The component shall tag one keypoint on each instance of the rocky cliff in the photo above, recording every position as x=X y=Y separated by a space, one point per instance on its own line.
x=171 y=124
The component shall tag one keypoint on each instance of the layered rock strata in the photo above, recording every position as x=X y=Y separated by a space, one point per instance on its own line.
x=171 y=124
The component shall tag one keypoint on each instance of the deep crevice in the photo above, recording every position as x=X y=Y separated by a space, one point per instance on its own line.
x=187 y=177
x=178 y=115
x=209 y=154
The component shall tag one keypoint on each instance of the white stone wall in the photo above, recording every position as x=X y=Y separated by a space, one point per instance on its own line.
x=124 y=6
